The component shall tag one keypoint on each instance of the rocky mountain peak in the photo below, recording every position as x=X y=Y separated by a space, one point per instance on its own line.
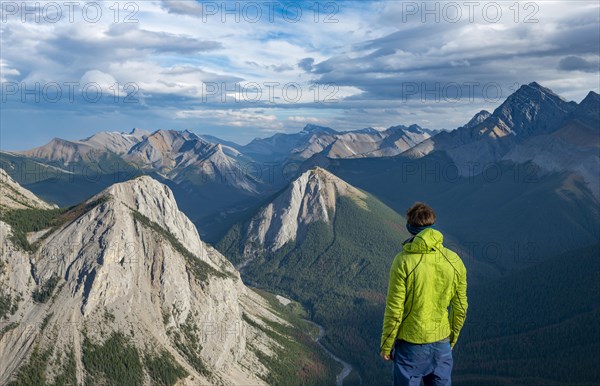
x=66 y=151
x=163 y=147
x=136 y=131
x=315 y=129
x=156 y=202
x=309 y=198
x=367 y=130
x=403 y=130
x=536 y=86
x=318 y=184
x=416 y=129
x=582 y=128
x=591 y=97
x=535 y=93
x=114 y=141
x=478 y=118
x=128 y=262
x=533 y=109
x=60 y=150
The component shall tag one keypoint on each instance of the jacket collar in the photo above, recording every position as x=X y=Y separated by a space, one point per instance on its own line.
x=425 y=241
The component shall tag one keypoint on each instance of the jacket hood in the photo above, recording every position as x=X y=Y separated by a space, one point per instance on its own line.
x=425 y=241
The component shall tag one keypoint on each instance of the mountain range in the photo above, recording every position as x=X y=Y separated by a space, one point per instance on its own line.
x=199 y=168
x=170 y=152
x=515 y=221
x=121 y=290
x=331 y=143
x=314 y=216
x=533 y=124
x=498 y=186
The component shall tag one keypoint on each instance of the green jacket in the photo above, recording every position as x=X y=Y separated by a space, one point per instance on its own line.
x=425 y=279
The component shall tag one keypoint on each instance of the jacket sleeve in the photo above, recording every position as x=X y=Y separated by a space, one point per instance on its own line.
x=459 y=305
x=394 y=306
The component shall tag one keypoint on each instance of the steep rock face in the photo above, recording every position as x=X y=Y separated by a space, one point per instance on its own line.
x=160 y=149
x=15 y=276
x=214 y=165
x=128 y=261
x=309 y=198
x=533 y=110
x=573 y=147
x=172 y=148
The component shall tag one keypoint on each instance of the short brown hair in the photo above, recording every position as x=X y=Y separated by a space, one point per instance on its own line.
x=420 y=215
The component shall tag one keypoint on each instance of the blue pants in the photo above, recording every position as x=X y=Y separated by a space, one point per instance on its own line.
x=431 y=362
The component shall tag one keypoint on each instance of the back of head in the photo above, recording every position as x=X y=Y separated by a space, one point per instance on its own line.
x=420 y=215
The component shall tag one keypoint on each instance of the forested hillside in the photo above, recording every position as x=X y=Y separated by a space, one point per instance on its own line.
x=536 y=327
x=339 y=272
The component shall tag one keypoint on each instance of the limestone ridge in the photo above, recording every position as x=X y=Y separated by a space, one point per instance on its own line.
x=331 y=143
x=66 y=152
x=175 y=155
x=310 y=198
x=129 y=261
x=13 y=196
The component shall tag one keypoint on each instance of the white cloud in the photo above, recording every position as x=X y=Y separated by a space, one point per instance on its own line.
x=236 y=118
x=190 y=8
x=368 y=54
x=305 y=119
x=7 y=71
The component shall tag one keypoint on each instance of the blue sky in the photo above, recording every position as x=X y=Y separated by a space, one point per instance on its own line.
x=239 y=70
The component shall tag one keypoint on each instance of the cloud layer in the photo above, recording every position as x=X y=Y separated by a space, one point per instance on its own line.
x=243 y=69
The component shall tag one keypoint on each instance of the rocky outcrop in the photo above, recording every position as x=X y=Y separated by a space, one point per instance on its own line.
x=13 y=196
x=478 y=118
x=308 y=199
x=128 y=261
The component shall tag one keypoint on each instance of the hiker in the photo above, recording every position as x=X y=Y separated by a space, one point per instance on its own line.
x=425 y=279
